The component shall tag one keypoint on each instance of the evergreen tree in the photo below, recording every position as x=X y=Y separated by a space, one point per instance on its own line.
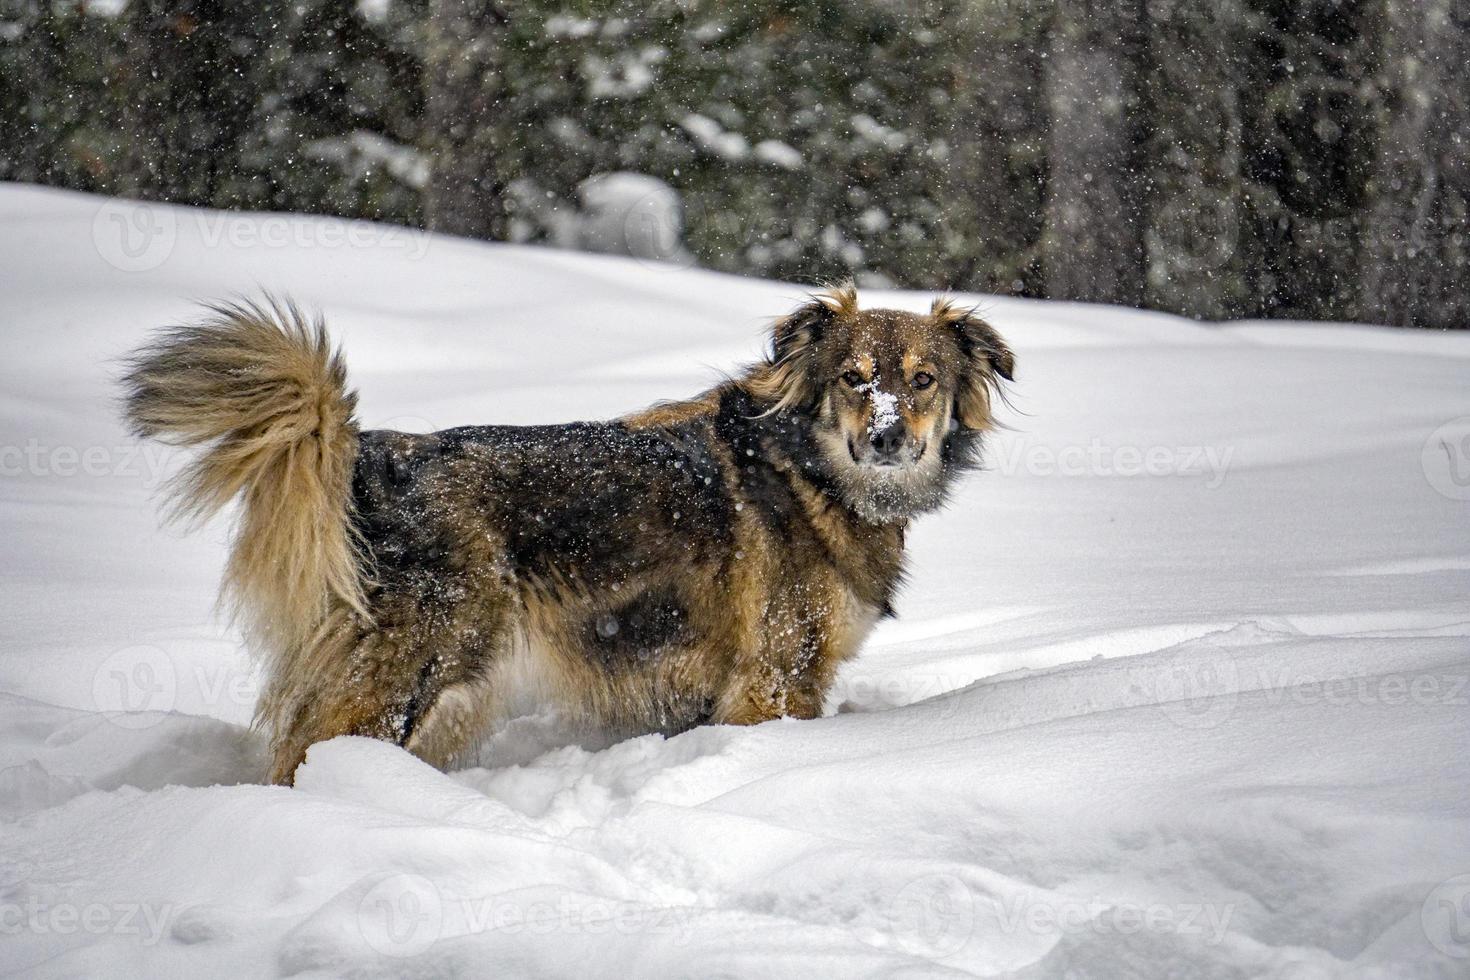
x=1308 y=143
x=1416 y=254
x=336 y=108
x=190 y=82
x=58 y=125
x=1199 y=245
x=1095 y=193
x=1281 y=158
x=466 y=120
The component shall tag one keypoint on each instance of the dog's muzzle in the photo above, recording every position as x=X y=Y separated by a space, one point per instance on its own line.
x=888 y=446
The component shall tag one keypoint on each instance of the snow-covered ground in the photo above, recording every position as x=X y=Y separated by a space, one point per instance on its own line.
x=1178 y=688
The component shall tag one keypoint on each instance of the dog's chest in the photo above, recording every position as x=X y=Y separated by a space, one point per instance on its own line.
x=853 y=622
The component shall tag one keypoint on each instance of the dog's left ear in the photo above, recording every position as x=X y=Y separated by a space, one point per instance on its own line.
x=989 y=361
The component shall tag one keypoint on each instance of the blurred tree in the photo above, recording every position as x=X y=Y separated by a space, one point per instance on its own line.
x=336 y=107
x=1284 y=158
x=1095 y=191
x=808 y=140
x=1308 y=149
x=306 y=105
x=465 y=89
x=57 y=120
x=1199 y=247
x=189 y=83
x=1416 y=234
x=994 y=180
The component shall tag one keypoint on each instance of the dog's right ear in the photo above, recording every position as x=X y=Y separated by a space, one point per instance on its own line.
x=787 y=379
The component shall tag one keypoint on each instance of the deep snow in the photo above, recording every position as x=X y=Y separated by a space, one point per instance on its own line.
x=1178 y=687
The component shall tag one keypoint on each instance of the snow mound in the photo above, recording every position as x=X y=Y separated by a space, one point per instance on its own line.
x=1177 y=688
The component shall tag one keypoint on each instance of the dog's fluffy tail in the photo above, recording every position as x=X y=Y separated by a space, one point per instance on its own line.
x=259 y=387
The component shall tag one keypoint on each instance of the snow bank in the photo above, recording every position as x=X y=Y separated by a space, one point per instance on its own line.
x=1178 y=688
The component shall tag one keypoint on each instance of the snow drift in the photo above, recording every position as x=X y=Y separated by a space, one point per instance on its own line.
x=1178 y=687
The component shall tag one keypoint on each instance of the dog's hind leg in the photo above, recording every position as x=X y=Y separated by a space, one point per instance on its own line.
x=368 y=687
x=448 y=726
x=414 y=684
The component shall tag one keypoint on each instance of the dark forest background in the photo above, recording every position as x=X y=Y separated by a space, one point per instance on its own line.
x=1216 y=158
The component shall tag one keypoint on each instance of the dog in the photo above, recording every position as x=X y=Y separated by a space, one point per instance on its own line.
x=709 y=561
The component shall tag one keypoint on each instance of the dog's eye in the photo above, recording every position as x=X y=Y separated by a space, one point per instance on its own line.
x=923 y=380
x=851 y=378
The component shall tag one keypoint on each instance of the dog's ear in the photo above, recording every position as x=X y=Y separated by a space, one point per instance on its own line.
x=988 y=362
x=794 y=335
x=788 y=380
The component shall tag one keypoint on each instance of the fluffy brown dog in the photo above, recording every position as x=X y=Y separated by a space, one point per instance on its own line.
x=711 y=560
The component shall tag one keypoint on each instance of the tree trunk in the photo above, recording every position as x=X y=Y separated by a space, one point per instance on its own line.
x=190 y=88
x=1094 y=243
x=1415 y=270
x=1197 y=242
x=465 y=194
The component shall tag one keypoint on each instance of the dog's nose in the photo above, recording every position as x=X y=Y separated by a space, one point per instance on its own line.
x=889 y=441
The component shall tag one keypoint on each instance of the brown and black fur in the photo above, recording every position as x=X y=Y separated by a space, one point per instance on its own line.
x=706 y=561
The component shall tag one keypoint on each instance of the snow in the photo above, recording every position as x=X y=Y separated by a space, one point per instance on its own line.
x=885 y=405
x=629 y=75
x=619 y=213
x=778 y=154
x=630 y=214
x=569 y=28
x=714 y=138
x=870 y=129
x=363 y=150
x=374 y=11
x=1178 y=688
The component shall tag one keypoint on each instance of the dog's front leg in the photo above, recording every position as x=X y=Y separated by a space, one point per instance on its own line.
x=766 y=688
